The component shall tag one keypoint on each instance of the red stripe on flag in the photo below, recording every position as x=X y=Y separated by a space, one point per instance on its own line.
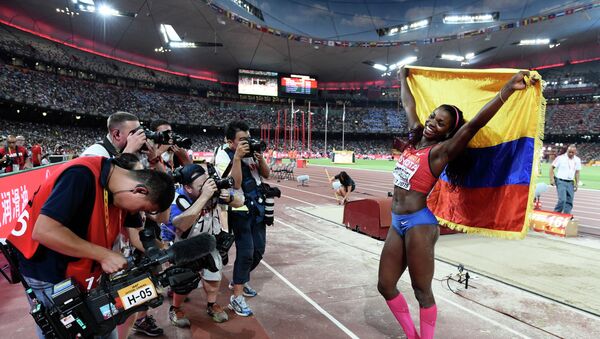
x=495 y=208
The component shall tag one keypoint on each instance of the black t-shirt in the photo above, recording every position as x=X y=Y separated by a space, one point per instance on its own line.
x=345 y=180
x=71 y=203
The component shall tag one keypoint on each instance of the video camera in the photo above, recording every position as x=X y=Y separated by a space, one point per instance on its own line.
x=84 y=314
x=255 y=146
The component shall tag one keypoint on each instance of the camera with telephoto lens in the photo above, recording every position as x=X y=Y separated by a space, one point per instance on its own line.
x=166 y=138
x=269 y=193
x=7 y=162
x=76 y=313
x=254 y=146
x=222 y=183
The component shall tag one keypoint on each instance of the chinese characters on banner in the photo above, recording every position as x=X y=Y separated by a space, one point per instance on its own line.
x=15 y=192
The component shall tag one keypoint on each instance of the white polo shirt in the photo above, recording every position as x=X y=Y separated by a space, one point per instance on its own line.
x=564 y=167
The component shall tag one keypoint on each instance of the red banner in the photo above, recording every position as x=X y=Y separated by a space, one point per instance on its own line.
x=553 y=223
x=15 y=191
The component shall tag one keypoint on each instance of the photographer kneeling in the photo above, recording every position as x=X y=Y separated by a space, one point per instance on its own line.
x=194 y=211
x=72 y=221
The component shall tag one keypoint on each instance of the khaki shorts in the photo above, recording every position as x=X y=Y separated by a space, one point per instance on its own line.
x=214 y=276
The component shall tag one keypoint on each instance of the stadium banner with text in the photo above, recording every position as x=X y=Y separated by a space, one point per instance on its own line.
x=497 y=196
x=550 y=222
x=15 y=191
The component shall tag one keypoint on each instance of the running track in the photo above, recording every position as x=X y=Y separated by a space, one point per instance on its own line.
x=370 y=183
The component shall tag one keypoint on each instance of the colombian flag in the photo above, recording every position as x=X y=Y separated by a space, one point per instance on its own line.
x=497 y=197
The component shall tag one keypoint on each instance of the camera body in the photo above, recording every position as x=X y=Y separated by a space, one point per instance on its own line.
x=222 y=183
x=255 y=146
x=166 y=138
x=7 y=162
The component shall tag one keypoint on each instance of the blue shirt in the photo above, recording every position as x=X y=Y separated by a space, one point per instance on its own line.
x=167 y=232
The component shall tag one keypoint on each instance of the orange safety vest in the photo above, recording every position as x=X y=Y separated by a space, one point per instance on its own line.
x=85 y=271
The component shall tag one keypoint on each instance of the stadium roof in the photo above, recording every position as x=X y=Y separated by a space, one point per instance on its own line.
x=335 y=40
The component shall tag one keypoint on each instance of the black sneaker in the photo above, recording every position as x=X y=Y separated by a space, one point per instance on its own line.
x=147 y=326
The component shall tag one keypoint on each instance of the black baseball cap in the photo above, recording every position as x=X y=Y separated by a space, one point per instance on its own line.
x=191 y=172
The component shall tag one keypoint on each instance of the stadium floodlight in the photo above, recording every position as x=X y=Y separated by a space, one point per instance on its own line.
x=380 y=67
x=399 y=29
x=169 y=33
x=103 y=9
x=182 y=44
x=469 y=56
x=532 y=42
x=106 y=10
x=406 y=61
x=452 y=57
x=470 y=18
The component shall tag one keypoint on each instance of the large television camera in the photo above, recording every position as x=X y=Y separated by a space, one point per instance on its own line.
x=76 y=313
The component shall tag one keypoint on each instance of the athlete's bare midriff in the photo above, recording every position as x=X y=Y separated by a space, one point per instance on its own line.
x=406 y=202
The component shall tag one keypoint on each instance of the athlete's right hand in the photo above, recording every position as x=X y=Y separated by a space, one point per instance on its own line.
x=113 y=262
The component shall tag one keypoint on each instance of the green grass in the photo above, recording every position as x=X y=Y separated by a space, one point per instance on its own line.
x=384 y=165
x=590 y=176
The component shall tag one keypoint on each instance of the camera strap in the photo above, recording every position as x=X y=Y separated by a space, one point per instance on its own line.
x=9 y=252
x=230 y=154
x=109 y=147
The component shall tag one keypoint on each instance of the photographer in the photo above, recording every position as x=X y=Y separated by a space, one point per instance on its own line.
x=124 y=136
x=75 y=217
x=195 y=210
x=172 y=155
x=247 y=222
x=13 y=157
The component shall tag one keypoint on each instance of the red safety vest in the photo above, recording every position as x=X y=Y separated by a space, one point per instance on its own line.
x=85 y=271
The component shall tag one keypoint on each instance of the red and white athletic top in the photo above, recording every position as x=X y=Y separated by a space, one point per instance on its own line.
x=412 y=170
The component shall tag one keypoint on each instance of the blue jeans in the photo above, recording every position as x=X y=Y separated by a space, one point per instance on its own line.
x=250 y=242
x=565 y=191
x=43 y=291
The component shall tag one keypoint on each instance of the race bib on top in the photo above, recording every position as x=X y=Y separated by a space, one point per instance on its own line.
x=406 y=167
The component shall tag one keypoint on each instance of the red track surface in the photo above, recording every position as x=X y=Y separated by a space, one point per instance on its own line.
x=318 y=280
x=378 y=183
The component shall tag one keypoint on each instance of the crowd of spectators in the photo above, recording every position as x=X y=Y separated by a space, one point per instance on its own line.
x=52 y=54
x=81 y=91
x=59 y=139
x=53 y=91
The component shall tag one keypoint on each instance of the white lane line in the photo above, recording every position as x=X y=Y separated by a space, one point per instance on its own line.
x=312 y=302
x=295 y=189
x=493 y=322
x=302 y=201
